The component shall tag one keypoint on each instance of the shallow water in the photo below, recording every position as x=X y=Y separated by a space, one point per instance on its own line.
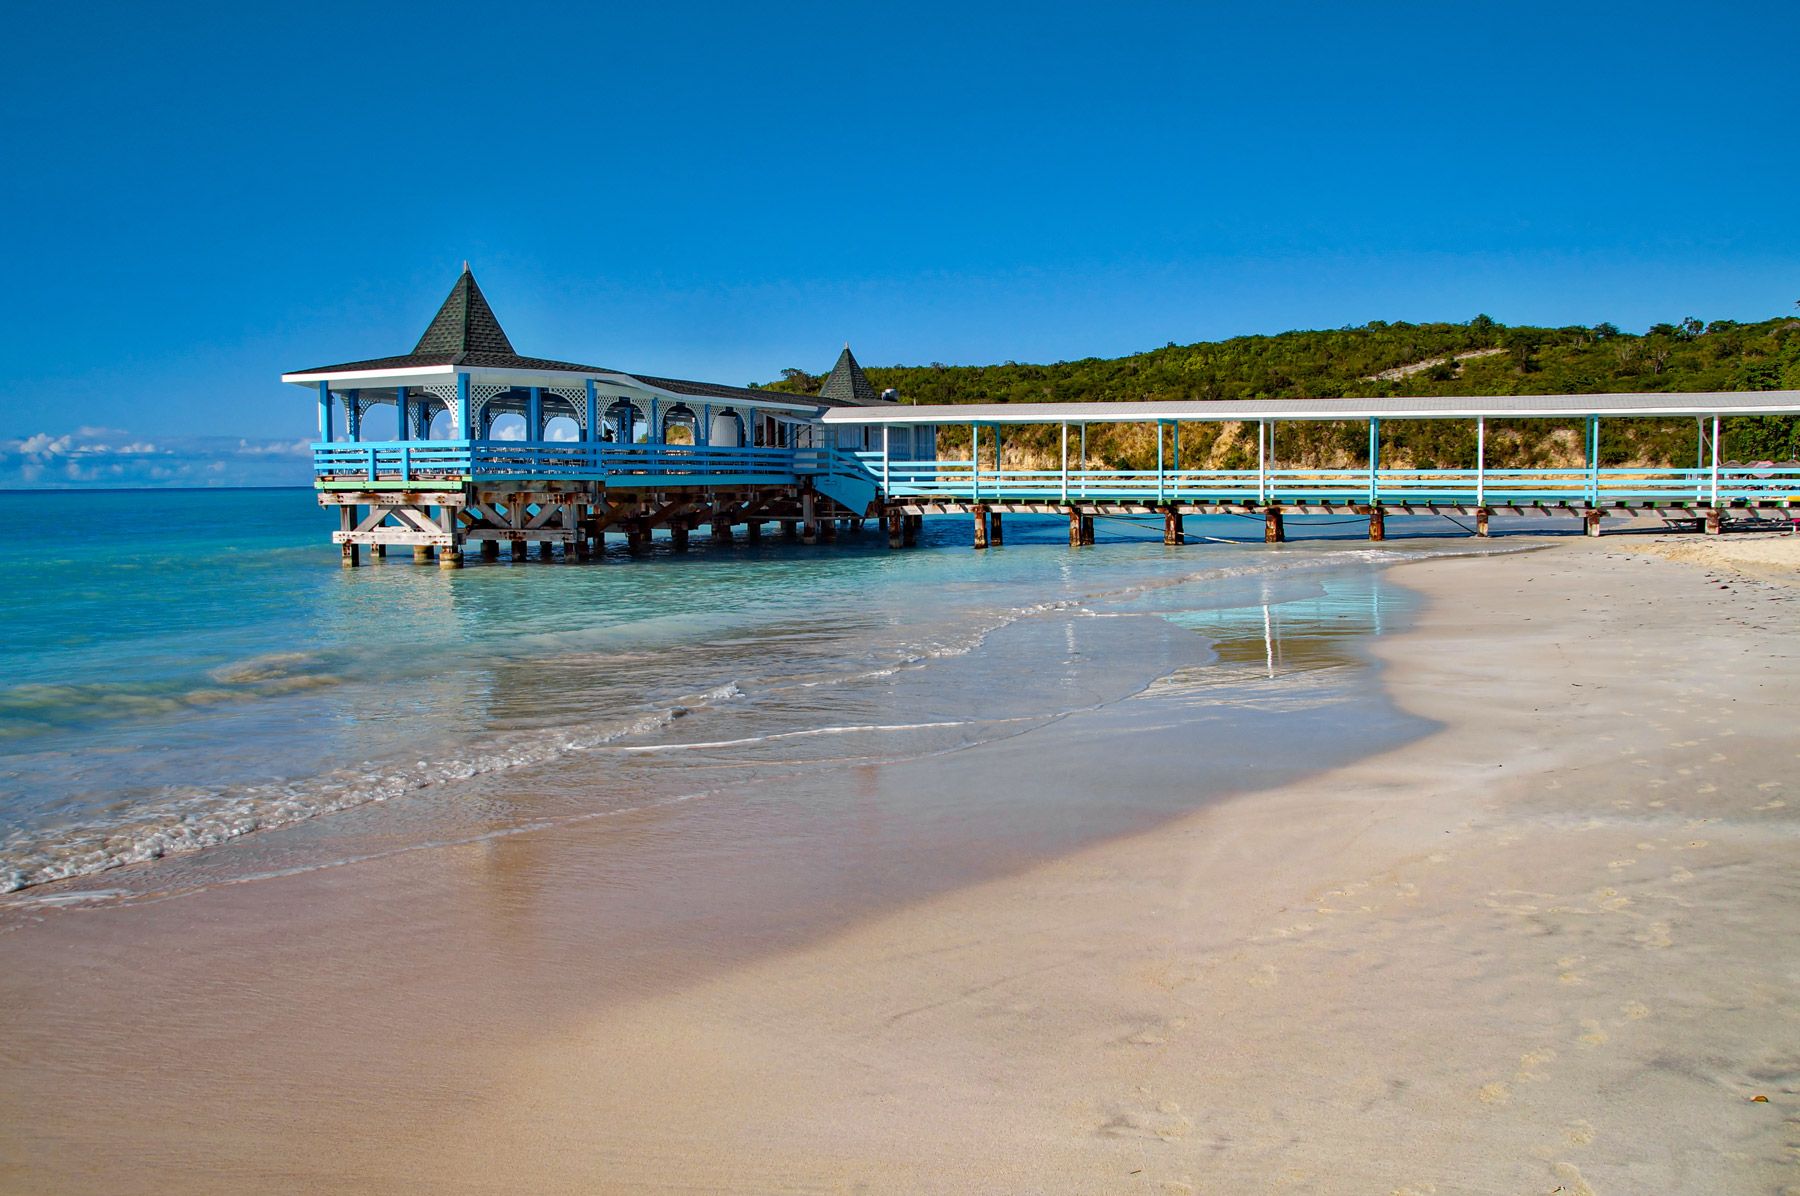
x=174 y=683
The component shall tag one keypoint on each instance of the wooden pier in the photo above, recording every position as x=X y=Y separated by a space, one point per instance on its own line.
x=493 y=448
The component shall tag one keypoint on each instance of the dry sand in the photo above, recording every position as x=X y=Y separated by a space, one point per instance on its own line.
x=1547 y=949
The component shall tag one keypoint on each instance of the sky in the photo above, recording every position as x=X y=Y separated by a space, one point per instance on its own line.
x=198 y=197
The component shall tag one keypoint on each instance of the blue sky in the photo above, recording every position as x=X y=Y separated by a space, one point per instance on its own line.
x=198 y=197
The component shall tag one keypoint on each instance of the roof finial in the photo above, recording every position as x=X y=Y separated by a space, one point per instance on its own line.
x=465 y=265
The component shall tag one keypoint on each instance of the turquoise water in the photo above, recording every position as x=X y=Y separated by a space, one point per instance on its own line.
x=186 y=668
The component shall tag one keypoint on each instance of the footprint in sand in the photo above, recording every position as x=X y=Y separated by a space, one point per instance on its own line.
x=1611 y=899
x=1569 y=1181
x=1681 y=876
x=1529 y=1063
x=1656 y=935
x=1496 y=1093
x=1579 y=1133
x=1635 y=1011
x=1165 y=1122
x=1771 y=805
x=1619 y=865
x=1591 y=1033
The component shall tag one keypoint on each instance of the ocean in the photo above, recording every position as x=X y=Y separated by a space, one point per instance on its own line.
x=195 y=692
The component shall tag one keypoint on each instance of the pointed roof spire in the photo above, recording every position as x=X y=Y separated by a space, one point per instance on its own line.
x=464 y=324
x=848 y=383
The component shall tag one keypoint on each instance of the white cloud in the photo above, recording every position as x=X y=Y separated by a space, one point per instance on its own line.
x=91 y=456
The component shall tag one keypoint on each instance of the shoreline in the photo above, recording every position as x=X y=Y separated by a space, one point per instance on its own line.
x=1035 y=1030
x=1413 y=974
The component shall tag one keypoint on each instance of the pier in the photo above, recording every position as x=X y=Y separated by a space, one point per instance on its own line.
x=493 y=450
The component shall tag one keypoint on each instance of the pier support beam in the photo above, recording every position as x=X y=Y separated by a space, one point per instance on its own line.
x=981 y=527
x=1715 y=522
x=1074 y=528
x=678 y=535
x=896 y=529
x=721 y=531
x=349 y=556
x=1173 y=532
x=421 y=554
x=1377 y=523
x=753 y=531
x=996 y=531
x=515 y=550
x=546 y=550
x=790 y=530
x=1481 y=521
x=809 y=520
x=490 y=550
x=1274 y=527
x=637 y=537
x=1592 y=521
x=378 y=552
x=910 y=527
x=450 y=557
x=828 y=531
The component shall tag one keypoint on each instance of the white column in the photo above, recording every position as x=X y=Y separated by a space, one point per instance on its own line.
x=1481 y=460
x=1065 y=462
x=1715 y=462
x=1262 y=460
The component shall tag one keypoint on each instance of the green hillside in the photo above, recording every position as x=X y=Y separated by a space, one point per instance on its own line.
x=1350 y=362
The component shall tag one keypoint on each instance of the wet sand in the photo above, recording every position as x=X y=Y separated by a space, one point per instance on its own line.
x=1543 y=947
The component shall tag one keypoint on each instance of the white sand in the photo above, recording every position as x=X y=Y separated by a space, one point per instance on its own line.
x=1550 y=949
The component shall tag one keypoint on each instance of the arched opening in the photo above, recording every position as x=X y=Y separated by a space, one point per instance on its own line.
x=507 y=426
x=443 y=425
x=727 y=430
x=624 y=424
x=679 y=424
x=561 y=428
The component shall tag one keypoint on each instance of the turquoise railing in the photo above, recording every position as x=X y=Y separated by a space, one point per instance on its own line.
x=964 y=481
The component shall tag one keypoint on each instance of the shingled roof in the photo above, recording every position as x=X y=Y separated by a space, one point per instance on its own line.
x=464 y=332
x=848 y=385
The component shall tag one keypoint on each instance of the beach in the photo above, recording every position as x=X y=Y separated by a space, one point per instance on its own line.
x=1529 y=936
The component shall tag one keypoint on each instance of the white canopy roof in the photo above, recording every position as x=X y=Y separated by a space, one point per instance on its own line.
x=1707 y=403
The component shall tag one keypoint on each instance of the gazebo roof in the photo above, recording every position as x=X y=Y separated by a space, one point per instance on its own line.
x=847 y=385
x=464 y=332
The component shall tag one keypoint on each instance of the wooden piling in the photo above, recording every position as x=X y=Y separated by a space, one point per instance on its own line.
x=378 y=552
x=490 y=550
x=910 y=526
x=1087 y=530
x=1592 y=520
x=809 y=520
x=721 y=531
x=1377 y=523
x=981 y=526
x=515 y=550
x=349 y=556
x=753 y=531
x=790 y=530
x=828 y=531
x=1174 y=534
x=1481 y=521
x=1274 y=526
x=450 y=557
x=996 y=532
x=421 y=554
x=678 y=535
x=1075 y=540
x=1715 y=522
